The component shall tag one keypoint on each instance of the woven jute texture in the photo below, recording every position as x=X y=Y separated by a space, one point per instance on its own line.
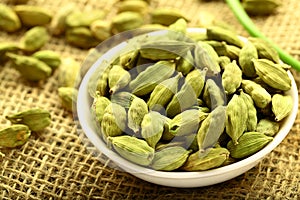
x=56 y=164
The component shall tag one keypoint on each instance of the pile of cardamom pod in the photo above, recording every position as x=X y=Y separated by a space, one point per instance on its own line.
x=191 y=101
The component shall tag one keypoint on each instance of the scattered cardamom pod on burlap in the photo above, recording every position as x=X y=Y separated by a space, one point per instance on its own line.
x=134 y=6
x=83 y=18
x=68 y=72
x=68 y=96
x=58 y=23
x=101 y=29
x=9 y=21
x=7 y=47
x=132 y=149
x=166 y=16
x=30 y=68
x=36 y=119
x=260 y=7
x=15 y=135
x=33 y=15
x=51 y=58
x=81 y=37
x=34 y=39
x=126 y=21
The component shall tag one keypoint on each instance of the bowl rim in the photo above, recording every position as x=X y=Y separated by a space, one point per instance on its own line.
x=84 y=117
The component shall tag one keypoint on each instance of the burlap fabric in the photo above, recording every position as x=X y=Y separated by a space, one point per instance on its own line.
x=55 y=164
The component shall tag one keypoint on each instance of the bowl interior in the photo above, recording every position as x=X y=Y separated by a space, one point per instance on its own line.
x=174 y=179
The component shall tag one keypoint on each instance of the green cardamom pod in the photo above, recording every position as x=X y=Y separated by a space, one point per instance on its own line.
x=185 y=64
x=267 y=127
x=213 y=94
x=51 y=58
x=166 y=16
x=221 y=34
x=260 y=7
x=211 y=128
x=163 y=93
x=231 y=77
x=211 y=52
x=179 y=25
x=113 y=121
x=232 y=51
x=123 y=98
x=250 y=111
x=33 y=15
x=6 y=47
x=34 y=39
x=15 y=135
x=9 y=21
x=265 y=50
x=236 y=122
x=215 y=157
x=132 y=149
x=134 y=6
x=164 y=49
x=185 y=98
x=58 y=23
x=68 y=73
x=98 y=107
x=146 y=81
x=169 y=159
x=224 y=61
x=248 y=144
x=136 y=112
x=36 y=119
x=203 y=61
x=118 y=78
x=274 y=76
x=129 y=59
x=99 y=81
x=68 y=96
x=30 y=68
x=83 y=18
x=196 y=79
x=152 y=127
x=81 y=37
x=126 y=21
x=248 y=52
x=101 y=29
x=282 y=105
x=260 y=95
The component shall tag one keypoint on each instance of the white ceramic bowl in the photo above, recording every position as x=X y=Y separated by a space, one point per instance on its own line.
x=174 y=179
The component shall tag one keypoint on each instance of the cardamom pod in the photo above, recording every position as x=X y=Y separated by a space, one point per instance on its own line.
x=265 y=50
x=223 y=61
x=126 y=21
x=152 y=127
x=196 y=79
x=211 y=52
x=118 y=78
x=250 y=111
x=83 y=18
x=267 y=127
x=134 y=6
x=179 y=25
x=34 y=39
x=185 y=64
x=260 y=7
x=248 y=52
x=101 y=29
x=9 y=21
x=248 y=144
x=163 y=93
x=221 y=34
x=211 y=128
x=113 y=121
x=182 y=100
x=232 y=51
x=186 y=122
x=81 y=37
x=68 y=73
x=129 y=59
x=33 y=15
x=170 y=158
x=132 y=149
x=98 y=107
x=15 y=135
x=274 y=76
x=203 y=61
x=215 y=157
x=136 y=112
x=260 y=95
x=164 y=50
x=7 y=47
x=166 y=16
x=36 y=119
x=123 y=98
x=30 y=68
x=58 y=23
x=282 y=105
x=236 y=122
x=231 y=77
x=99 y=82
x=68 y=96
x=51 y=58
x=146 y=81
x=213 y=94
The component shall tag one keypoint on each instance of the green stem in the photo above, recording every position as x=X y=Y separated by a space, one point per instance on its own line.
x=245 y=20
